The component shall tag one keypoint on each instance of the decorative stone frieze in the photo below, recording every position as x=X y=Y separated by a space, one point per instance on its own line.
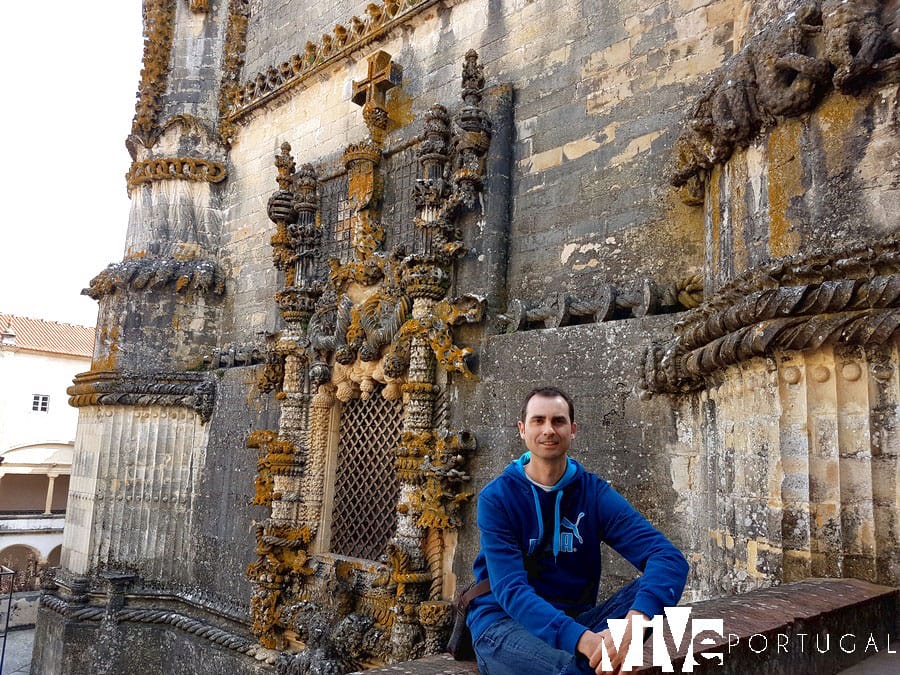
x=264 y=87
x=608 y=303
x=195 y=391
x=175 y=168
x=800 y=302
x=145 y=274
x=783 y=72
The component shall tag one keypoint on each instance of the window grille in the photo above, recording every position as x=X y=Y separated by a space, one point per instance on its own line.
x=399 y=210
x=40 y=403
x=334 y=212
x=366 y=487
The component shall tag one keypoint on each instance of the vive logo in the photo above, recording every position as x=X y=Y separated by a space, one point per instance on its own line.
x=567 y=539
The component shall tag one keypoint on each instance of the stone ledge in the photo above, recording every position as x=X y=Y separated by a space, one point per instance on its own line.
x=438 y=664
x=810 y=608
x=794 y=615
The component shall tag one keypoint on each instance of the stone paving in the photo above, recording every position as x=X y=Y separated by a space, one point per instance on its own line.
x=17 y=660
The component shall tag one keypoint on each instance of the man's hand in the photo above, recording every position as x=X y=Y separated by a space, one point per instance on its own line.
x=591 y=644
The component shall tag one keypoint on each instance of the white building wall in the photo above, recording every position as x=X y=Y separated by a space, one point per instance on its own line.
x=25 y=373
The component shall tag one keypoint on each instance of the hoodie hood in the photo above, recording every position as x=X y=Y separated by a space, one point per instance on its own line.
x=516 y=469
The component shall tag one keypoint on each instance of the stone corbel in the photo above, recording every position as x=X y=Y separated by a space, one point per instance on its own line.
x=607 y=304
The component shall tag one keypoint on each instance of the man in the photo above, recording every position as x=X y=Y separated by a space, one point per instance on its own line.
x=541 y=522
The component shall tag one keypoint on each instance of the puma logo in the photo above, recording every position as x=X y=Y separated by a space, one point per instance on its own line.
x=574 y=526
x=566 y=539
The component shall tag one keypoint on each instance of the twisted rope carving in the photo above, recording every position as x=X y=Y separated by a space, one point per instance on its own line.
x=187 y=624
x=860 y=311
x=175 y=168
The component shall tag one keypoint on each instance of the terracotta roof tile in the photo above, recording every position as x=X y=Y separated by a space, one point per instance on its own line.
x=49 y=336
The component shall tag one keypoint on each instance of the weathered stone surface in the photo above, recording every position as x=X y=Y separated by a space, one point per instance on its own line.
x=759 y=430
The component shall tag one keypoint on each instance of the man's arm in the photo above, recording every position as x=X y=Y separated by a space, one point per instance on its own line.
x=509 y=580
x=592 y=645
x=632 y=536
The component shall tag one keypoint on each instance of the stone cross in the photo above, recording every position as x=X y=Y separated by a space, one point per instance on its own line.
x=383 y=74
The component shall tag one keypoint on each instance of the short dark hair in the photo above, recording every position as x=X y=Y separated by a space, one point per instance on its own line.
x=547 y=392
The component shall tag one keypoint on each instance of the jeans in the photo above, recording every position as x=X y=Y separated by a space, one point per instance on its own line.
x=507 y=648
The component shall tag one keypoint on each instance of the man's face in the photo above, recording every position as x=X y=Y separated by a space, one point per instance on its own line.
x=547 y=429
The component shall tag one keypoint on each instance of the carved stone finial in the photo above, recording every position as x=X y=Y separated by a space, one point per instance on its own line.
x=472 y=79
x=284 y=162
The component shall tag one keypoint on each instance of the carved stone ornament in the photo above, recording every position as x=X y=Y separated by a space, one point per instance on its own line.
x=776 y=75
x=238 y=99
x=175 y=168
x=147 y=274
x=607 y=303
x=159 y=30
x=195 y=391
x=382 y=326
x=800 y=302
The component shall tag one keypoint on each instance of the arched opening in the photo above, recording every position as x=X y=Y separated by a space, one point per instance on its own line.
x=53 y=557
x=25 y=562
x=23 y=493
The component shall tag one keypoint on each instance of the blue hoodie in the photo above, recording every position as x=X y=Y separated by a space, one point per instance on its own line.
x=541 y=551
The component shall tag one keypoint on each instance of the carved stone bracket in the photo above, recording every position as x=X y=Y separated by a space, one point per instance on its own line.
x=777 y=74
x=185 y=390
x=795 y=304
x=147 y=274
x=608 y=303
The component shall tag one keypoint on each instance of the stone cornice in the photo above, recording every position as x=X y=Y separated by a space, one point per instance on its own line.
x=796 y=303
x=268 y=85
x=159 y=30
x=175 y=168
x=150 y=273
x=195 y=391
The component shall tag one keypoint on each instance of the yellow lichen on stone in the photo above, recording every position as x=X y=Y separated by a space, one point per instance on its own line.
x=835 y=118
x=399 y=105
x=785 y=182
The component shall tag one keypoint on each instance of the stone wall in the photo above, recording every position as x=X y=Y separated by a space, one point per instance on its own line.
x=757 y=430
x=620 y=437
x=598 y=94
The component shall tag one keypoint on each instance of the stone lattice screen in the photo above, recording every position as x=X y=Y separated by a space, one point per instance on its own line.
x=366 y=484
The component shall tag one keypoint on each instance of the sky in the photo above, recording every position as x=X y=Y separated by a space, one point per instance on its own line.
x=70 y=72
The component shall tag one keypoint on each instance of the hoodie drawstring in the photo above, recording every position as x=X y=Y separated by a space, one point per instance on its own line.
x=559 y=495
x=540 y=519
